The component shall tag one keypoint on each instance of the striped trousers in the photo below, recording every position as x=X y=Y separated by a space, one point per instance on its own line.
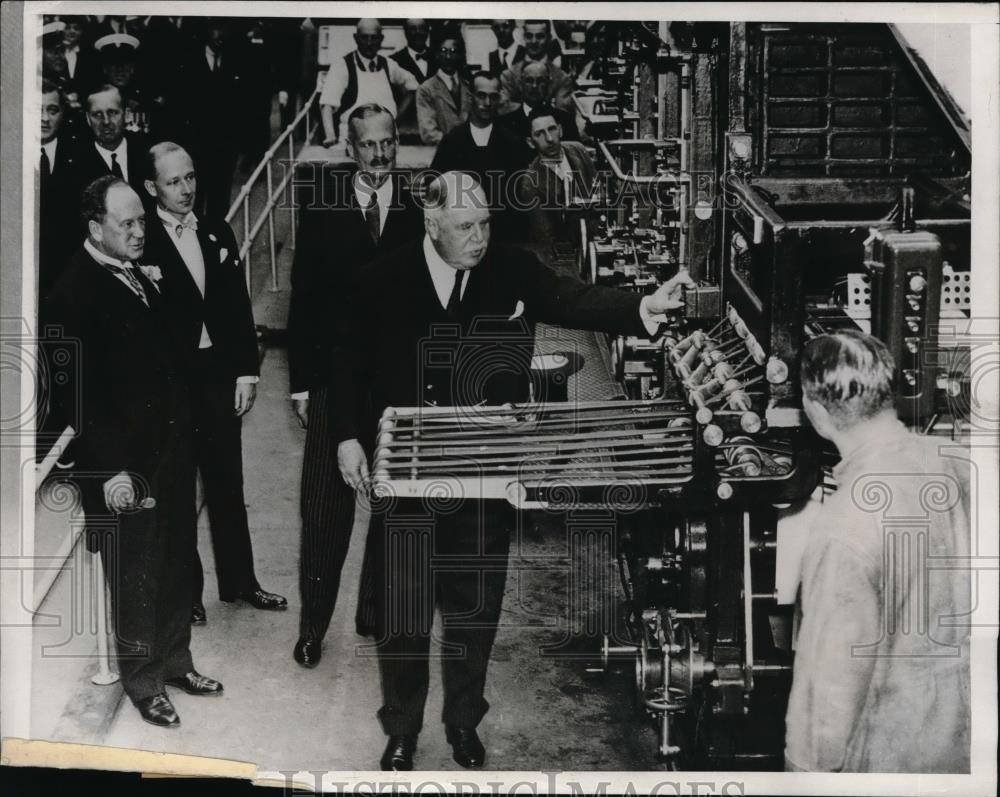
x=327 y=508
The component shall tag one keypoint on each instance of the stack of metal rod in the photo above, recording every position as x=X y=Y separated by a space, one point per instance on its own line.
x=535 y=455
x=717 y=370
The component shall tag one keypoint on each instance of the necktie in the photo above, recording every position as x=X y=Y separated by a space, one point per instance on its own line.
x=503 y=57
x=46 y=166
x=455 y=300
x=189 y=223
x=130 y=278
x=116 y=168
x=372 y=217
x=456 y=91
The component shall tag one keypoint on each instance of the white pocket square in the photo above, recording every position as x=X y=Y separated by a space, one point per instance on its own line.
x=223 y=254
x=518 y=310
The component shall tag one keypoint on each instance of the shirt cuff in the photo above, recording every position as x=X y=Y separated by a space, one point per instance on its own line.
x=247 y=380
x=649 y=320
x=302 y=395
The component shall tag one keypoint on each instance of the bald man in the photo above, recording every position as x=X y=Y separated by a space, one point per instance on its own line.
x=454 y=276
x=364 y=77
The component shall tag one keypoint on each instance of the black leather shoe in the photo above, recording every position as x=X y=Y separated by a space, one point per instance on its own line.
x=398 y=755
x=308 y=651
x=196 y=684
x=198 y=616
x=261 y=599
x=466 y=748
x=158 y=710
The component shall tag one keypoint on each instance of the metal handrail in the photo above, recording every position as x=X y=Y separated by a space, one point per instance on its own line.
x=242 y=200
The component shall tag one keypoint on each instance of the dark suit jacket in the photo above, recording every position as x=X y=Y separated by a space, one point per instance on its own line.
x=57 y=214
x=516 y=125
x=495 y=166
x=92 y=165
x=497 y=68
x=332 y=249
x=400 y=348
x=541 y=190
x=405 y=60
x=208 y=104
x=225 y=309
x=126 y=374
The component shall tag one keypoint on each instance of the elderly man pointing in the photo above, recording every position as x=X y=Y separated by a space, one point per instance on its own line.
x=454 y=276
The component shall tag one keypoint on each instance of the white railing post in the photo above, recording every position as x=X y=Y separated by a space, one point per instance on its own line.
x=291 y=185
x=104 y=675
x=270 y=223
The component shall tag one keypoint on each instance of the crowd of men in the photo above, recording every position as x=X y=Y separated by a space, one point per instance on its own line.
x=150 y=283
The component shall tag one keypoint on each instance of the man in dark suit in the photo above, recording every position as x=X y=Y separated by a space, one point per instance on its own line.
x=111 y=150
x=83 y=66
x=536 y=80
x=454 y=277
x=483 y=148
x=508 y=52
x=207 y=298
x=370 y=212
x=414 y=57
x=58 y=188
x=133 y=447
x=209 y=91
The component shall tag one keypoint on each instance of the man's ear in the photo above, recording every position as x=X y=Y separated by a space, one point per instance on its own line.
x=95 y=231
x=431 y=226
x=820 y=418
x=150 y=188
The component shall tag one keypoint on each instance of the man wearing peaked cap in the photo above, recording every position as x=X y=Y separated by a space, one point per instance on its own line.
x=118 y=52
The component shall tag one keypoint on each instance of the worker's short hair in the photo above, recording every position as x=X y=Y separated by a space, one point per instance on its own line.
x=545 y=22
x=94 y=201
x=366 y=111
x=851 y=374
x=49 y=86
x=540 y=110
x=100 y=89
x=482 y=73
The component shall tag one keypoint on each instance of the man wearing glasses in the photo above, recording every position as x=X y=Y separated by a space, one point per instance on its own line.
x=363 y=77
x=443 y=99
x=352 y=218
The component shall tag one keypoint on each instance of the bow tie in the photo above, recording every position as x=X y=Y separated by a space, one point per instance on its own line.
x=190 y=222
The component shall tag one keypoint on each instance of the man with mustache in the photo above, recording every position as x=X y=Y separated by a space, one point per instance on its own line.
x=206 y=295
x=454 y=558
x=348 y=219
x=133 y=447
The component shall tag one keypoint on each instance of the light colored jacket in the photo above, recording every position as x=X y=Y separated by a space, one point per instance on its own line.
x=881 y=673
x=437 y=112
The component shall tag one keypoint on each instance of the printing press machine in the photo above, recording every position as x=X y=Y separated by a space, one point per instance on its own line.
x=810 y=178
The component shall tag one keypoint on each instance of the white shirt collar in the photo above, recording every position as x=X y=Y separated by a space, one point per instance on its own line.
x=511 y=52
x=383 y=193
x=481 y=135
x=99 y=256
x=562 y=167
x=417 y=56
x=121 y=151
x=526 y=108
x=171 y=221
x=442 y=275
x=50 y=150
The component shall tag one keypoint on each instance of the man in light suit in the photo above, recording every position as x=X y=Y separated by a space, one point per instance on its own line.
x=453 y=276
x=537 y=38
x=367 y=213
x=133 y=447
x=443 y=100
x=207 y=299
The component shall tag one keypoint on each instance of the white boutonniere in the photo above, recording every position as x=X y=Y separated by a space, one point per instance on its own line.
x=223 y=254
x=518 y=310
x=153 y=274
x=212 y=238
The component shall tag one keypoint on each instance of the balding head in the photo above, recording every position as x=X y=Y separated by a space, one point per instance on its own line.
x=368 y=37
x=457 y=219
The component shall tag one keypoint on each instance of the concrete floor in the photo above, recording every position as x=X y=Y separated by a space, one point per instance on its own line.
x=548 y=713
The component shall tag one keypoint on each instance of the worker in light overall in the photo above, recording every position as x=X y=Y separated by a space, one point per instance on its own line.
x=363 y=77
